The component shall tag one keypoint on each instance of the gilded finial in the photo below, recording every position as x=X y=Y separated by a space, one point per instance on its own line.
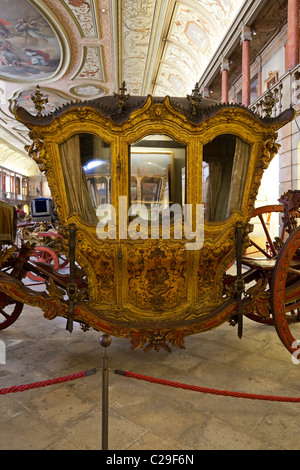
x=195 y=99
x=122 y=96
x=39 y=100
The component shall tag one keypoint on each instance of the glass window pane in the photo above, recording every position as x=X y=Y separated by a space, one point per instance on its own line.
x=224 y=173
x=96 y=163
x=157 y=172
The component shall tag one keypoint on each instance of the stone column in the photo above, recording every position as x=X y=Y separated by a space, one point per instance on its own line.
x=292 y=47
x=259 y=89
x=224 y=72
x=245 y=40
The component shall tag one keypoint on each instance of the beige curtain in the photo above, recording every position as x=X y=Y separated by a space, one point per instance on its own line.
x=75 y=181
x=8 y=222
x=213 y=183
x=238 y=176
x=92 y=193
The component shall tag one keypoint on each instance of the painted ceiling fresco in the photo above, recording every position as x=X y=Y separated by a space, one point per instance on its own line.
x=83 y=49
x=196 y=32
x=29 y=48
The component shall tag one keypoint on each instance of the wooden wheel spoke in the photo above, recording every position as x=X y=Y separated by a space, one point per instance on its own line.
x=10 y=316
x=45 y=255
x=264 y=243
x=261 y=250
x=4 y=313
x=291 y=306
x=271 y=244
x=293 y=271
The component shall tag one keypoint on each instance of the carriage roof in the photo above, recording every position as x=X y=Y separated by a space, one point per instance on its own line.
x=196 y=112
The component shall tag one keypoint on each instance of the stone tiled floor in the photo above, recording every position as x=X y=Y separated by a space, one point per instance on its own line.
x=143 y=415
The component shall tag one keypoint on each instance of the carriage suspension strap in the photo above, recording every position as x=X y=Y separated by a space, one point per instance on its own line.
x=239 y=283
x=72 y=286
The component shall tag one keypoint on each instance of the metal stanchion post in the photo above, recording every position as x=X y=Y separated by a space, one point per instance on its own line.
x=105 y=341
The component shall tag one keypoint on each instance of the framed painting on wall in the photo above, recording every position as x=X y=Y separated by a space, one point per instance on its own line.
x=271 y=80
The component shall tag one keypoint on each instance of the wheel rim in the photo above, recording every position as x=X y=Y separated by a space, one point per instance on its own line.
x=262 y=212
x=45 y=255
x=9 y=311
x=286 y=293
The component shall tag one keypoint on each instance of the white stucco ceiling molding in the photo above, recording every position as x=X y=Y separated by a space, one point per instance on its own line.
x=159 y=30
x=136 y=23
x=173 y=18
x=195 y=9
x=92 y=20
x=14 y=161
x=180 y=70
x=188 y=59
x=164 y=90
x=91 y=67
x=198 y=60
x=84 y=15
x=206 y=33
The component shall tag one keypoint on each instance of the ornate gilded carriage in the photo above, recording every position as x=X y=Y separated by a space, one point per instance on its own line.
x=154 y=197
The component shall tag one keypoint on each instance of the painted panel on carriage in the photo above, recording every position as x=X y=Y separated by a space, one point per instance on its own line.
x=29 y=48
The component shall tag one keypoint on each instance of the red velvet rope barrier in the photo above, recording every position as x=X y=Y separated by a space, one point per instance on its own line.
x=82 y=374
x=45 y=383
x=212 y=391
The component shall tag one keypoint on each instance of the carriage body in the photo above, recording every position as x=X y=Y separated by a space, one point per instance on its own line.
x=153 y=288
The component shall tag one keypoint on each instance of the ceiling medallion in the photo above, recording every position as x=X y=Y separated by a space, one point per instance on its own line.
x=86 y=91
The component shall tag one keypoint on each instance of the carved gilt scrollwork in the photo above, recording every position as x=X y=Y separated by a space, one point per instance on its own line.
x=36 y=151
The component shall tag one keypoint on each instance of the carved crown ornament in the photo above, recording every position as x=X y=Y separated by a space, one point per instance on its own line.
x=154 y=291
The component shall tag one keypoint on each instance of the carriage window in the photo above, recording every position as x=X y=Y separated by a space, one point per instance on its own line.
x=96 y=163
x=157 y=172
x=224 y=173
x=85 y=162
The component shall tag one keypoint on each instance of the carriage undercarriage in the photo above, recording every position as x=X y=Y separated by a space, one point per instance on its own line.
x=270 y=289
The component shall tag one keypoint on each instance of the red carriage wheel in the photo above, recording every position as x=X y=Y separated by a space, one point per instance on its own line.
x=263 y=248
x=286 y=294
x=43 y=254
x=10 y=310
x=63 y=261
x=267 y=249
